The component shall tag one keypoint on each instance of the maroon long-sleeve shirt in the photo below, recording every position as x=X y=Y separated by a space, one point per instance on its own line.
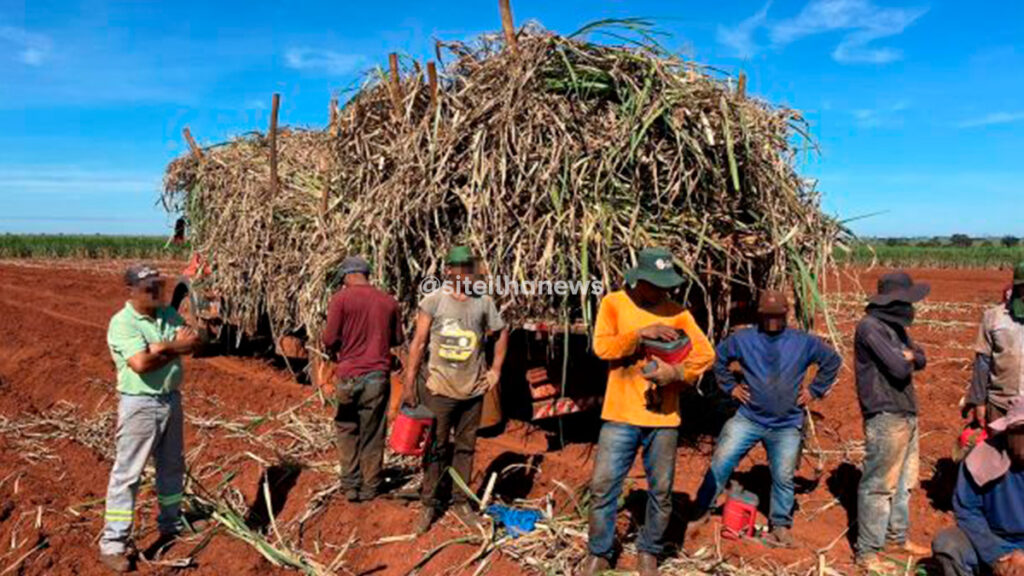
x=363 y=324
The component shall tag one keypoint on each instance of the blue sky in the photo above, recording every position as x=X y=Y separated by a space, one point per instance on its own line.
x=917 y=104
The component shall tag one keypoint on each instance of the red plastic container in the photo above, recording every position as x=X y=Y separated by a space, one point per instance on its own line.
x=673 y=352
x=971 y=437
x=739 y=516
x=411 y=431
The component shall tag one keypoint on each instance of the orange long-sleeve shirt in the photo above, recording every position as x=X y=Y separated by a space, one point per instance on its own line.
x=616 y=339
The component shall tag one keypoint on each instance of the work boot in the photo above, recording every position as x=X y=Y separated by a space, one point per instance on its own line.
x=367 y=494
x=908 y=547
x=647 y=564
x=593 y=566
x=118 y=563
x=466 y=515
x=427 y=517
x=780 y=537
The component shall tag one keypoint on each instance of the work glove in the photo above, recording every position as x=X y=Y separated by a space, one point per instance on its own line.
x=660 y=373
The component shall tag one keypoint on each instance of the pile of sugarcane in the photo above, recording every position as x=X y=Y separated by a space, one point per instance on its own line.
x=553 y=157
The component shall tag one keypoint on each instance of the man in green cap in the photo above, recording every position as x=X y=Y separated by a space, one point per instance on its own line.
x=654 y=350
x=999 y=356
x=454 y=322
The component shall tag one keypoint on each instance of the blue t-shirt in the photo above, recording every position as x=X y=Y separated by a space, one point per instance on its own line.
x=774 y=366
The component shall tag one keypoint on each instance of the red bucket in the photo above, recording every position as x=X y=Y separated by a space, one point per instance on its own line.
x=411 y=431
x=739 y=516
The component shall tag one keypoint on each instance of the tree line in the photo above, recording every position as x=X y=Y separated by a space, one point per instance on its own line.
x=955 y=241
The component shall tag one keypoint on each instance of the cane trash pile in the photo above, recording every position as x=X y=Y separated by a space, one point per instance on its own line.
x=557 y=160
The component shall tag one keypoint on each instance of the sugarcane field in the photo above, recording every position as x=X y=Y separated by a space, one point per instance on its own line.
x=588 y=292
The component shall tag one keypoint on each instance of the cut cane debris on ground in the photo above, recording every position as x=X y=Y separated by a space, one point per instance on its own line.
x=55 y=475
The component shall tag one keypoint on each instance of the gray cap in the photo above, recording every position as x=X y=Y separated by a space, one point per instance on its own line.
x=139 y=273
x=354 y=265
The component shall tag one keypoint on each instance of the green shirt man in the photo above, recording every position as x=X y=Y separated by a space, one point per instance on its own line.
x=131 y=332
x=146 y=340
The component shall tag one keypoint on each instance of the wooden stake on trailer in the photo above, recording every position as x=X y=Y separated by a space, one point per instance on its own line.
x=432 y=83
x=508 y=25
x=326 y=162
x=396 y=86
x=196 y=150
x=332 y=122
x=272 y=136
x=741 y=87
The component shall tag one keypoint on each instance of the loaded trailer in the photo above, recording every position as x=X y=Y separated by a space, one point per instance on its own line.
x=539 y=380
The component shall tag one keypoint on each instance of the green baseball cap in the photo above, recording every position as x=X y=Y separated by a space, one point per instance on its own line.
x=458 y=255
x=1018 y=274
x=655 y=265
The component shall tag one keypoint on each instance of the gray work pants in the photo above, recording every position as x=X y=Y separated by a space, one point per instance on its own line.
x=146 y=425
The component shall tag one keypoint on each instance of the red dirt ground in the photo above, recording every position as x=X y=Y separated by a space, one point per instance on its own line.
x=53 y=319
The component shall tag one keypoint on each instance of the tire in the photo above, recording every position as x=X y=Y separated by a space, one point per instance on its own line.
x=180 y=297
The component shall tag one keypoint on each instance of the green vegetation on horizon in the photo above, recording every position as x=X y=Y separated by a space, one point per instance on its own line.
x=883 y=253
x=931 y=256
x=88 y=246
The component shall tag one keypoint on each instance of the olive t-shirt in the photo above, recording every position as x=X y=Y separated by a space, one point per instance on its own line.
x=456 y=365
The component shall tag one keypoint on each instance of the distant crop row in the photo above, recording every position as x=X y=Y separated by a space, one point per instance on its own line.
x=156 y=247
x=934 y=256
x=84 y=246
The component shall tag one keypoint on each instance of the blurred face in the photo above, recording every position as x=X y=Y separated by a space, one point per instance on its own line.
x=772 y=323
x=650 y=293
x=460 y=274
x=149 y=294
x=1015 y=445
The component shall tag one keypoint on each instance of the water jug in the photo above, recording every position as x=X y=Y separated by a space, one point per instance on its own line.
x=411 y=431
x=739 y=516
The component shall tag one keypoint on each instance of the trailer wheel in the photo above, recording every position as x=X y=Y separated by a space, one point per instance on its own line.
x=180 y=297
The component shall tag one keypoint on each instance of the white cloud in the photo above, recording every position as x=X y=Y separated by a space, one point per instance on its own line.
x=886 y=116
x=741 y=38
x=69 y=179
x=866 y=117
x=30 y=48
x=993 y=119
x=862 y=22
x=325 y=61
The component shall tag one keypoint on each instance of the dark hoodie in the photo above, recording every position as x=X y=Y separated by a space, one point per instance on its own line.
x=885 y=380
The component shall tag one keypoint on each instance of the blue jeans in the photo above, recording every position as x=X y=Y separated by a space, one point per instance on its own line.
x=616 y=450
x=890 y=473
x=739 y=435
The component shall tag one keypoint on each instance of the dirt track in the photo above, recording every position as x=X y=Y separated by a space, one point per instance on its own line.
x=53 y=360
